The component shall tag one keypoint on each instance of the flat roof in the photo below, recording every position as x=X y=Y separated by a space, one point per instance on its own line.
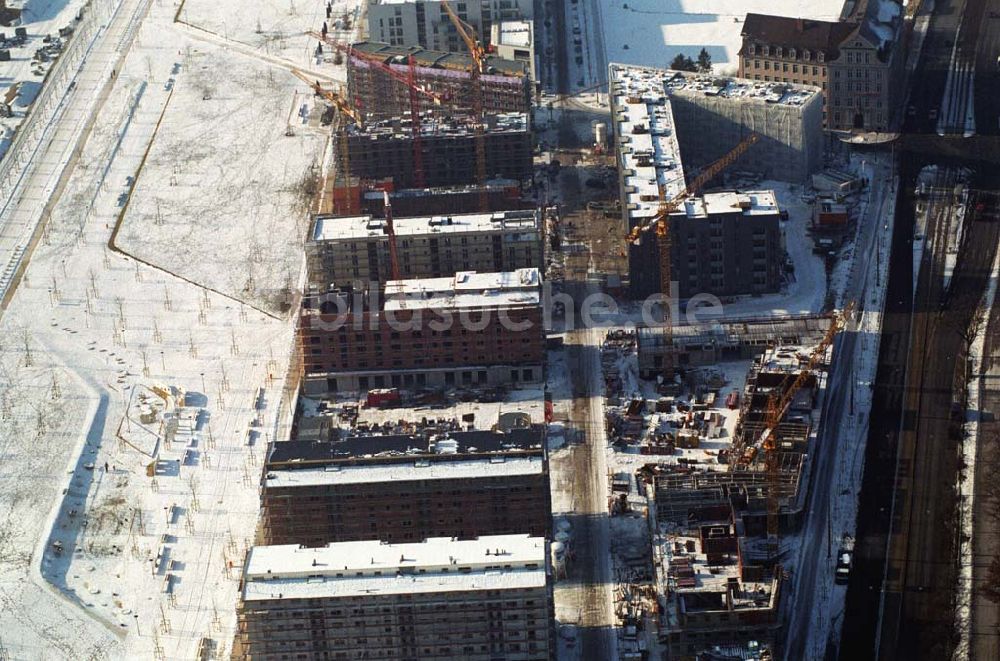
x=750 y=203
x=372 y=567
x=516 y=33
x=644 y=124
x=332 y=228
x=417 y=469
x=466 y=289
x=318 y=588
x=434 y=126
x=741 y=90
x=648 y=150
x=439 y=63
x=471 y=442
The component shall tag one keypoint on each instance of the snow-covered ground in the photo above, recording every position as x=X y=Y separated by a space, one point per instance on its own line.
x=978 y=372
x=146 y=565
x=193 y=201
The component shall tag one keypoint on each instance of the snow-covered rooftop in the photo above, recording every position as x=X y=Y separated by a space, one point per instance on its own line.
x=644 y=126
x=515 y=33
x=332 y=228
x=451 y=126
x=741 y=90
x=466 y=289
x=649 y=153
x=751 y=203
x=420 y=469
x=438 y=564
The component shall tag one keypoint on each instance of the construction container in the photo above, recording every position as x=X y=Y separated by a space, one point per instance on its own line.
x=383 y=397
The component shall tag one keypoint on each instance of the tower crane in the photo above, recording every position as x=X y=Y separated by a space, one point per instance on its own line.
x=468 y=35
x=778 y=404
x=661 y=222
x=414 y=91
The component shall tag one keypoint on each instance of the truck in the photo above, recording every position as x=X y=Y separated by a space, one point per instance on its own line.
x=845 y=558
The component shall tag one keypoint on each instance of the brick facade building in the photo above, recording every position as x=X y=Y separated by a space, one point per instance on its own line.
x=470 y=329
x=477 y=600
x=405 y=488
x=377 y=95
x=384 y=149
x=724 y=244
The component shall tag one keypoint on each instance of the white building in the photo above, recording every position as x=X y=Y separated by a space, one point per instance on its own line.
x=426 y=23
x=515 y=40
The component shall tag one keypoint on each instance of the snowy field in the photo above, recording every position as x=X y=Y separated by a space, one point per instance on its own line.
x=653 y=32
x=277 y=29
x=209 y=183
x=116 y=542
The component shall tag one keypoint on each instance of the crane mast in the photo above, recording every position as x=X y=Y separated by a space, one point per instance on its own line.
x=468 y=35
x=661 y=222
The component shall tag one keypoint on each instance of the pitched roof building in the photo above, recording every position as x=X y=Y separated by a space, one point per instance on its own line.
x=855 y=62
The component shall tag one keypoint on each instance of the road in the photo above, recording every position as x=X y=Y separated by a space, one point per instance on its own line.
x=591 y=570
x=21 y=218
x=836 y=456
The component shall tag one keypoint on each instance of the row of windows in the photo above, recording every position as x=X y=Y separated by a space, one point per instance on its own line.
x=783 y=66
x=766 y=50
x=794 y=81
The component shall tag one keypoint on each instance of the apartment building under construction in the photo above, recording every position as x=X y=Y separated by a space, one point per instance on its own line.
x=471 y=329
x=385 y=149
x=377 y=94
x=479 y=600
x=344 y=251
x=439 y=480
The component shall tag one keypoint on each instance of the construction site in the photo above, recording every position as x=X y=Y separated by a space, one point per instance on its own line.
x=440 y=360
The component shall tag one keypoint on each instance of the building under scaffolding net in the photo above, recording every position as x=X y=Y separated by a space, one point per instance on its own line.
x=378 y=94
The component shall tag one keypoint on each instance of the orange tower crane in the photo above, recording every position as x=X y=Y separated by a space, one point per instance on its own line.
x=661 y=223
x=415 y=91
x=777 y=407
x=468 y=35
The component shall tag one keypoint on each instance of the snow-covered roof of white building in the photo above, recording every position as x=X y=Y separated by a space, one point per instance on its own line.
x=438 y=564
x=333 y=228
x=649 y=154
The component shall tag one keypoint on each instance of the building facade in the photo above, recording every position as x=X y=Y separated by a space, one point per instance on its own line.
x=343 y=251
x=470 y=329
x=515 y=40
x=856 y=62
x=506 y=87
x=479 y=600
x=385 y=150
x=425 y=22
x=713 y=115
x=722 y=244
x=397 y=488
